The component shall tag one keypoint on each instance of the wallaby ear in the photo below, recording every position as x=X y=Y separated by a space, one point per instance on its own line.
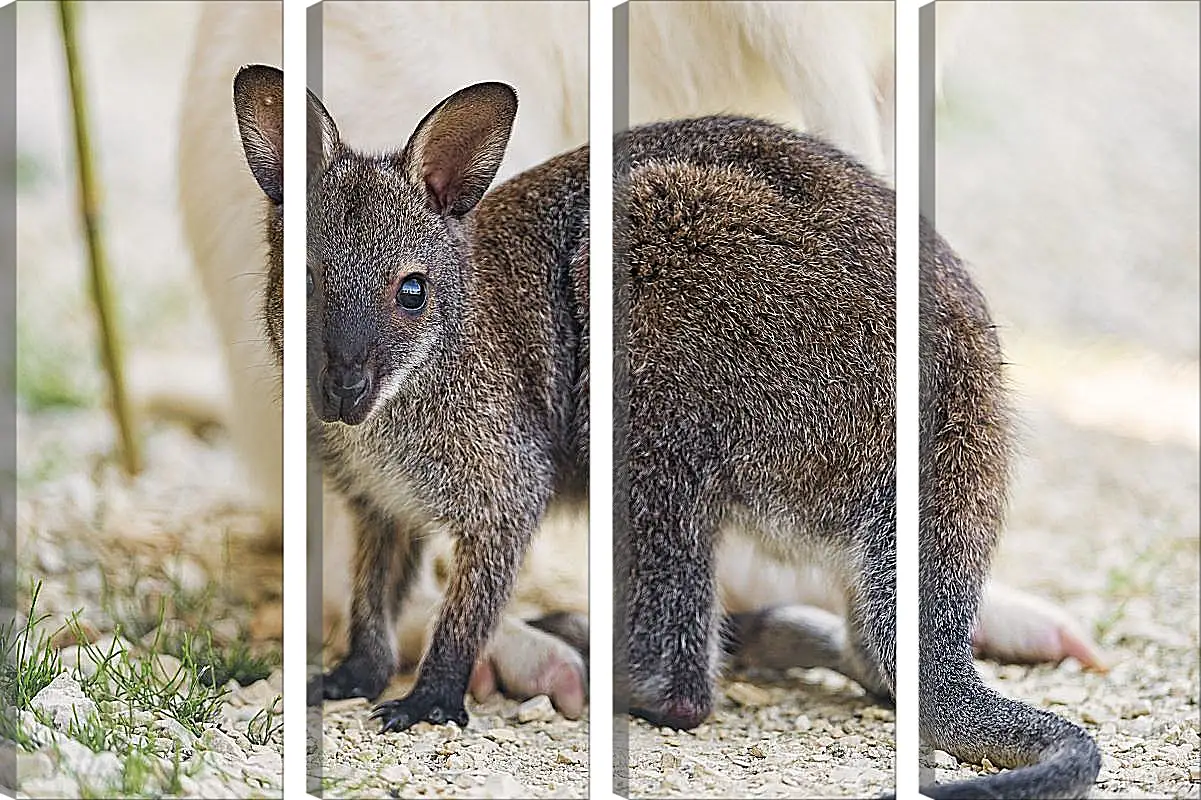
x=259 y=105
x=457 y=149
x=322 y=136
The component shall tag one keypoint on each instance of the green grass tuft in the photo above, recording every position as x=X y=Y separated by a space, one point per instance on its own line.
x=184 y=696
x=28 y=663
x=93 y=732
x=137 y=615
x=266 y=724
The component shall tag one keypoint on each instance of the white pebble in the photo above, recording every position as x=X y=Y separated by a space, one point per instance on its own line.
x=538 y=707
x=63 y=701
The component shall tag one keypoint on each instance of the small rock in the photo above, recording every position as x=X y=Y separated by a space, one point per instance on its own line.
x=51 y=558
x=840 y=775
x=1069 y=695
x=83 y=632
x=32 y=766
x=102 y=769
x=225 y=631
x=268 y=622
x=72 y=756
x=398 y=774
x=460 y=761
x=269 y=762
x=88 y=582
x=63 y=701
x=255 y=771
x=757 y=751
x=502 y=784
x=175 y=731
x=536 y=708
x=1194 y=774
x=187 y=574
x=238 y=715
x=55 y=786
x=1140 y=726
x=562 y=757
x=483 y=745
x=1140 y=708
x=69 y=657
x=501 y=735
x=748 y=695
x=219 y=742
x=216 y=763
x=944 y=760
x=167 y=668
x=803 y=723
x=257 y=694
x=112 y=645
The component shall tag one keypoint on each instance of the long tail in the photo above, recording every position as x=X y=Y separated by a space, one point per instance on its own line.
x=966 y=448
x=1047 y=756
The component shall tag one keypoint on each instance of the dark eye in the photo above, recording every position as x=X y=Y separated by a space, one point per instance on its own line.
x=310 y=285
x=411 y=294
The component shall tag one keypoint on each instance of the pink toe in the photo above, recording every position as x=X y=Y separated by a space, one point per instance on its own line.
x=566 y=690
x=483 y=681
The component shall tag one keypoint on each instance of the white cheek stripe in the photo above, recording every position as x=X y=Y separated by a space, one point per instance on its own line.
x=393 y=383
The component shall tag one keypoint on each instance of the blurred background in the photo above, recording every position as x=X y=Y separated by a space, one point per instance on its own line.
x=167 y=573
x=1067 y=176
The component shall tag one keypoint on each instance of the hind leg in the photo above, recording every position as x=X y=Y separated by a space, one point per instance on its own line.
x=871 y=595
x=667 y=608
x=785 y=637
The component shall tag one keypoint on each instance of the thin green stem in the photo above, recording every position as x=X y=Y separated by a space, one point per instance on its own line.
x=89 y=206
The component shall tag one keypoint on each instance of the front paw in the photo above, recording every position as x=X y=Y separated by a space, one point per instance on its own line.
x=399 y=715
x=354 y=677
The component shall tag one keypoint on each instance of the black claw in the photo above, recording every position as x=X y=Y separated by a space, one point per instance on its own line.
x=392 y=717
x=398 y=715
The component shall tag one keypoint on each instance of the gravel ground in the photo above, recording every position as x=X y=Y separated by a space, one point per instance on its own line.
x=112 y=555
x=508 y=749
x=784 y=736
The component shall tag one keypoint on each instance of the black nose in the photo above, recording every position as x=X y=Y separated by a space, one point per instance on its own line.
x=346 y=388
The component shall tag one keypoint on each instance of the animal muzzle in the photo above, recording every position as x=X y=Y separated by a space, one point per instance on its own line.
x=346 y=394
